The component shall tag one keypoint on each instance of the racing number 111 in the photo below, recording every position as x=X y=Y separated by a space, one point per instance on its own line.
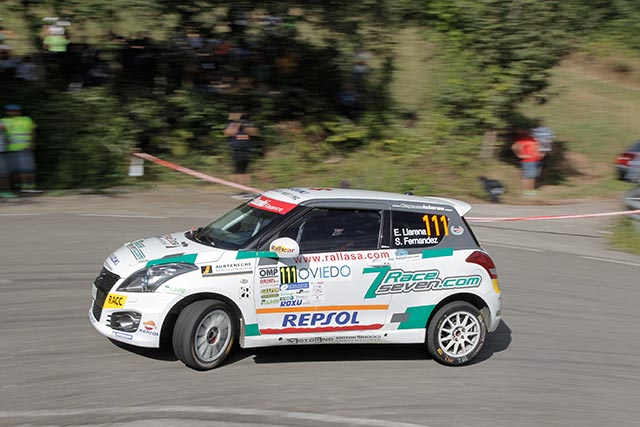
x=428 y=219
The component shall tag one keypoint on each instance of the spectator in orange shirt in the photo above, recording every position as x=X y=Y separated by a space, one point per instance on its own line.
x=528 y=151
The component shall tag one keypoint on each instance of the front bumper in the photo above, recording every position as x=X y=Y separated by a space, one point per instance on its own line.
x=151 y=308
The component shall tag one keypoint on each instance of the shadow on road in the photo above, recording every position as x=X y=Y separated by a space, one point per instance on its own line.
x=151 y=353
x=340 y=353
x=495 y=342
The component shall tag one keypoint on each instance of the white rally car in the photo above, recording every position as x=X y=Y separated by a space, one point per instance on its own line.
x=306 y=266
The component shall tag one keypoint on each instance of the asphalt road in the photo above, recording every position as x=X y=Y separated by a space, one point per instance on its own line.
x=567 y=353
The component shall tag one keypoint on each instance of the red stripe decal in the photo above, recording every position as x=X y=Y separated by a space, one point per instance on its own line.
x=325 y=329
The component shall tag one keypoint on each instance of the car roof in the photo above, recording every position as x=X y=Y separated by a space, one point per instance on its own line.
x=303 y=195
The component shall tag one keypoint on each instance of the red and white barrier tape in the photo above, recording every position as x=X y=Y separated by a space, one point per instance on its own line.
x=545 y=217
x=197 y=174
x=215 y=180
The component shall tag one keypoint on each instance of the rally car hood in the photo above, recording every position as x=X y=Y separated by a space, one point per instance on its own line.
x=173 y=247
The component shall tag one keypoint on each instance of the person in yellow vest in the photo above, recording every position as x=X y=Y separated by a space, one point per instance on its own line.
x=5 y=188
x=19 y=131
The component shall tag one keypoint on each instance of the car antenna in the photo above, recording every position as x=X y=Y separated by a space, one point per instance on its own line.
x=410 y=193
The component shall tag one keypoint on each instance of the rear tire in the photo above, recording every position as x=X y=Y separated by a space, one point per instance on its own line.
x=204 y=334
x=456 y=333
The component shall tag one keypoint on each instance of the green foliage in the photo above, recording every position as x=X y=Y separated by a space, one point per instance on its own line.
x=625 y=235
x=82 y=139
x=500 y=52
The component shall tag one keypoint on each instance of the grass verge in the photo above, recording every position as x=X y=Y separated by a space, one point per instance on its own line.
x=625 y=235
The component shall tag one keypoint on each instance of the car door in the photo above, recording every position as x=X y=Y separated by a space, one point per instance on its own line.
x=322 y=289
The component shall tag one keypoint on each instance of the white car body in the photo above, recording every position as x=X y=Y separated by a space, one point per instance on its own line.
x=383 y=294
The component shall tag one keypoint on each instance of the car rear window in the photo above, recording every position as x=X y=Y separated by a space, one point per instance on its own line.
x=429 y=228
x=635 y=147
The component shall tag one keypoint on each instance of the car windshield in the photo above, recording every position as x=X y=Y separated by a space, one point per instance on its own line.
x=235 y=228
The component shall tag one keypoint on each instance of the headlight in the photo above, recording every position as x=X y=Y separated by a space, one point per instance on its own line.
x=151 y=278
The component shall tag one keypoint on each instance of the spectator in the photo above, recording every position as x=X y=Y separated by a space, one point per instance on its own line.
x=528 y=151
x=27 y=70
x=241 y=133
x=20 y=134
x=5 y=190
x=56 y=40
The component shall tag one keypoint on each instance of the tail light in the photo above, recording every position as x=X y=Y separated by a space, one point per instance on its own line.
x=485 y=261
x=624 y=159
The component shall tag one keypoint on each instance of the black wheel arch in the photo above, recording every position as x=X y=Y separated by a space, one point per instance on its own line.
x=170 y=320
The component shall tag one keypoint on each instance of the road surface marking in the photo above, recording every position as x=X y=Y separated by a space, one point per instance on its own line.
x=243 y=412
x=125 y=216
x=512 y=247
x=611 y=260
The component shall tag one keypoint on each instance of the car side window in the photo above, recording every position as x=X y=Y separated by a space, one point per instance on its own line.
x=323 y=230
x=418 y=229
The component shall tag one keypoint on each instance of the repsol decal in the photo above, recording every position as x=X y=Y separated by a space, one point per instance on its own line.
x=320 y=322
x=397 y=281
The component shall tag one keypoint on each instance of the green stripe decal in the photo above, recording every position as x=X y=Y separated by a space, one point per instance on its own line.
x=188 y=259
x=418 y=317
x=436 y=253
x=381 y=271
x=253 y=254
x=251 y=330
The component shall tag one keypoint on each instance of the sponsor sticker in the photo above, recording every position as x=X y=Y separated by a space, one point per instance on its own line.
x=398 y=281
x=168 y=241
x=325 y=273
x=179 y=291
x=268 y=272
x=294 y=286
x=122 y=335
x=457 y=230
x=135 y=249
x=149 y=325
x=272 y=205
x=423 y=207
x=245 y=292
x=312 y=340
x=288 y=194
x=328 y=321
x=226 y=268
x=115 y=301
x=114 y=260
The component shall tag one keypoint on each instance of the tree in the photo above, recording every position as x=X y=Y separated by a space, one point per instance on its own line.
x=499 y=53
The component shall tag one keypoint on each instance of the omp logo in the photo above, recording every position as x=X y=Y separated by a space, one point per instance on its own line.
x=398 y=281
x=288 y=274
x=269 y=272
x=115 y=301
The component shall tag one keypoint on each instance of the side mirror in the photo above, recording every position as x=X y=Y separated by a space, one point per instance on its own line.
x=285 y=247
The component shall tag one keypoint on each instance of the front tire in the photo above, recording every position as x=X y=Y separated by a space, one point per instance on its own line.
x=456 y=333
x=204 y=334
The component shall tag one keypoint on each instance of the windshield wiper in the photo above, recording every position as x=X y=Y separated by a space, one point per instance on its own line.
x=201 y=237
